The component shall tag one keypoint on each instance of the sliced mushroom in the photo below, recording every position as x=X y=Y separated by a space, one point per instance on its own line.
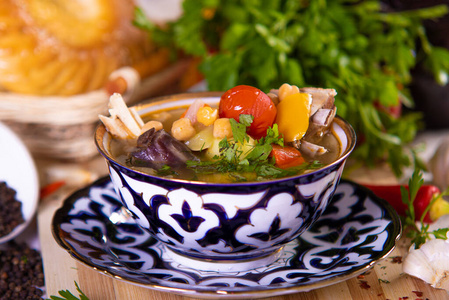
x=158 y=148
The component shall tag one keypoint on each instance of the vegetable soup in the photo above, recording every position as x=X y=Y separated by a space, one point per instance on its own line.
x=247 y=136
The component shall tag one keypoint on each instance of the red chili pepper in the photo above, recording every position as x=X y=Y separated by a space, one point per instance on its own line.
x=392 y=194
x=51 y=188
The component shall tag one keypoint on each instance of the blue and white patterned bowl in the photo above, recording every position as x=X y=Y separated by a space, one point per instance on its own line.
x=241 y=223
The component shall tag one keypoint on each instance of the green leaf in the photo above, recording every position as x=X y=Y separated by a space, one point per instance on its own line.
x=239 y=128
x=260 y=152
x=272 y=40
x=165 y=171
x=246 y=120
x=67 y=295
x=389 y=95
x=221 y=71
x=441 y=233
x=234 y=36
x=438 y=63
x=293 y=72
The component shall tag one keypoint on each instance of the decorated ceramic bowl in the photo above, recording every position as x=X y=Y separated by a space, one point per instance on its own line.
x=206 y=225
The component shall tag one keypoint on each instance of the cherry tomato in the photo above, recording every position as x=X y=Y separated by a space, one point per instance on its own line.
x=248 y=100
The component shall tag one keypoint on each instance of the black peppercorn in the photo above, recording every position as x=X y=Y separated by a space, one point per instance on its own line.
x=11 y=209
x=21 y=273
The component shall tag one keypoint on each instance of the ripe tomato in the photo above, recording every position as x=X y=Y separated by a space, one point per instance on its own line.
x=286 y=157
x=248 y=100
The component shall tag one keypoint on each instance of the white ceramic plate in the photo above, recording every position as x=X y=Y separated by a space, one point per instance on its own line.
x=18 y=170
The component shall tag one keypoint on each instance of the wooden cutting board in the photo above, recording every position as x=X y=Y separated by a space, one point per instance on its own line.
x=384 y=281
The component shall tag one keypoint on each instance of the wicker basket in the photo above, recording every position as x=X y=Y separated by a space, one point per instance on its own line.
x=62 y=127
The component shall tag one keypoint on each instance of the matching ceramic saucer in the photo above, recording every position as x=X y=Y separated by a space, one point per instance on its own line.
x=356 y=231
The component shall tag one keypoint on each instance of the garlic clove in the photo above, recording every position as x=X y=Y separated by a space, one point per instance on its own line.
x=430 y=263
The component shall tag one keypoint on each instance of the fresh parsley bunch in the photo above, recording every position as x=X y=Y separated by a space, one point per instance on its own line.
x=356 y=47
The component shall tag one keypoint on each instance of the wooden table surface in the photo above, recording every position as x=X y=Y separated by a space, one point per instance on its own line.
x=384 y=281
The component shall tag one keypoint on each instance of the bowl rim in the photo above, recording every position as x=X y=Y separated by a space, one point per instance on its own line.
x=100 y=132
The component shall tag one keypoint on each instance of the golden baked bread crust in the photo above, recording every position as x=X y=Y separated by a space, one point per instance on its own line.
x=66 y=47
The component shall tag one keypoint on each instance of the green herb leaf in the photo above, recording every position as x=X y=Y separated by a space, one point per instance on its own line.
x=441 y=233
x=239 y=128
x=165 y=170
x=67 y=295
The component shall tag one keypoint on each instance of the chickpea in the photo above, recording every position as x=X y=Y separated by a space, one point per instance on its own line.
x=183 y=129
x=287 y=90
x=152 y=124
x=222 y=128
x=206 y=115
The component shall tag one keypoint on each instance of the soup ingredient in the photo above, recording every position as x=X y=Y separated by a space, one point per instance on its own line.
x=21 y=273
x=425 y=195
x=287 y=90
x=123 y=122
x=156 y=149
x=207 y=115
x=11 y=209
x=305 y=121
x=243 y=158
x=286 y=157
x=222 y=128
x=321 y=98
x=192 y=112
x=202 y=140
x=322 y=112
x=248 y=100
x=152 y=124
x=293 y=114
x=312 y=150
x=182 y=129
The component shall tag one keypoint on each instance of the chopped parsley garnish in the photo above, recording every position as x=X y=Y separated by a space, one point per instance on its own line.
x=257 y=161
x=166 y=170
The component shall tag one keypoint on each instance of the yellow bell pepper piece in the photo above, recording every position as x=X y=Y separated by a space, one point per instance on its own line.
x=293 y=114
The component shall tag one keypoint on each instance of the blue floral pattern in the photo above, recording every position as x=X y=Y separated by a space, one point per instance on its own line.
x=234 y=220
x=273 y=223
x=356 y=230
